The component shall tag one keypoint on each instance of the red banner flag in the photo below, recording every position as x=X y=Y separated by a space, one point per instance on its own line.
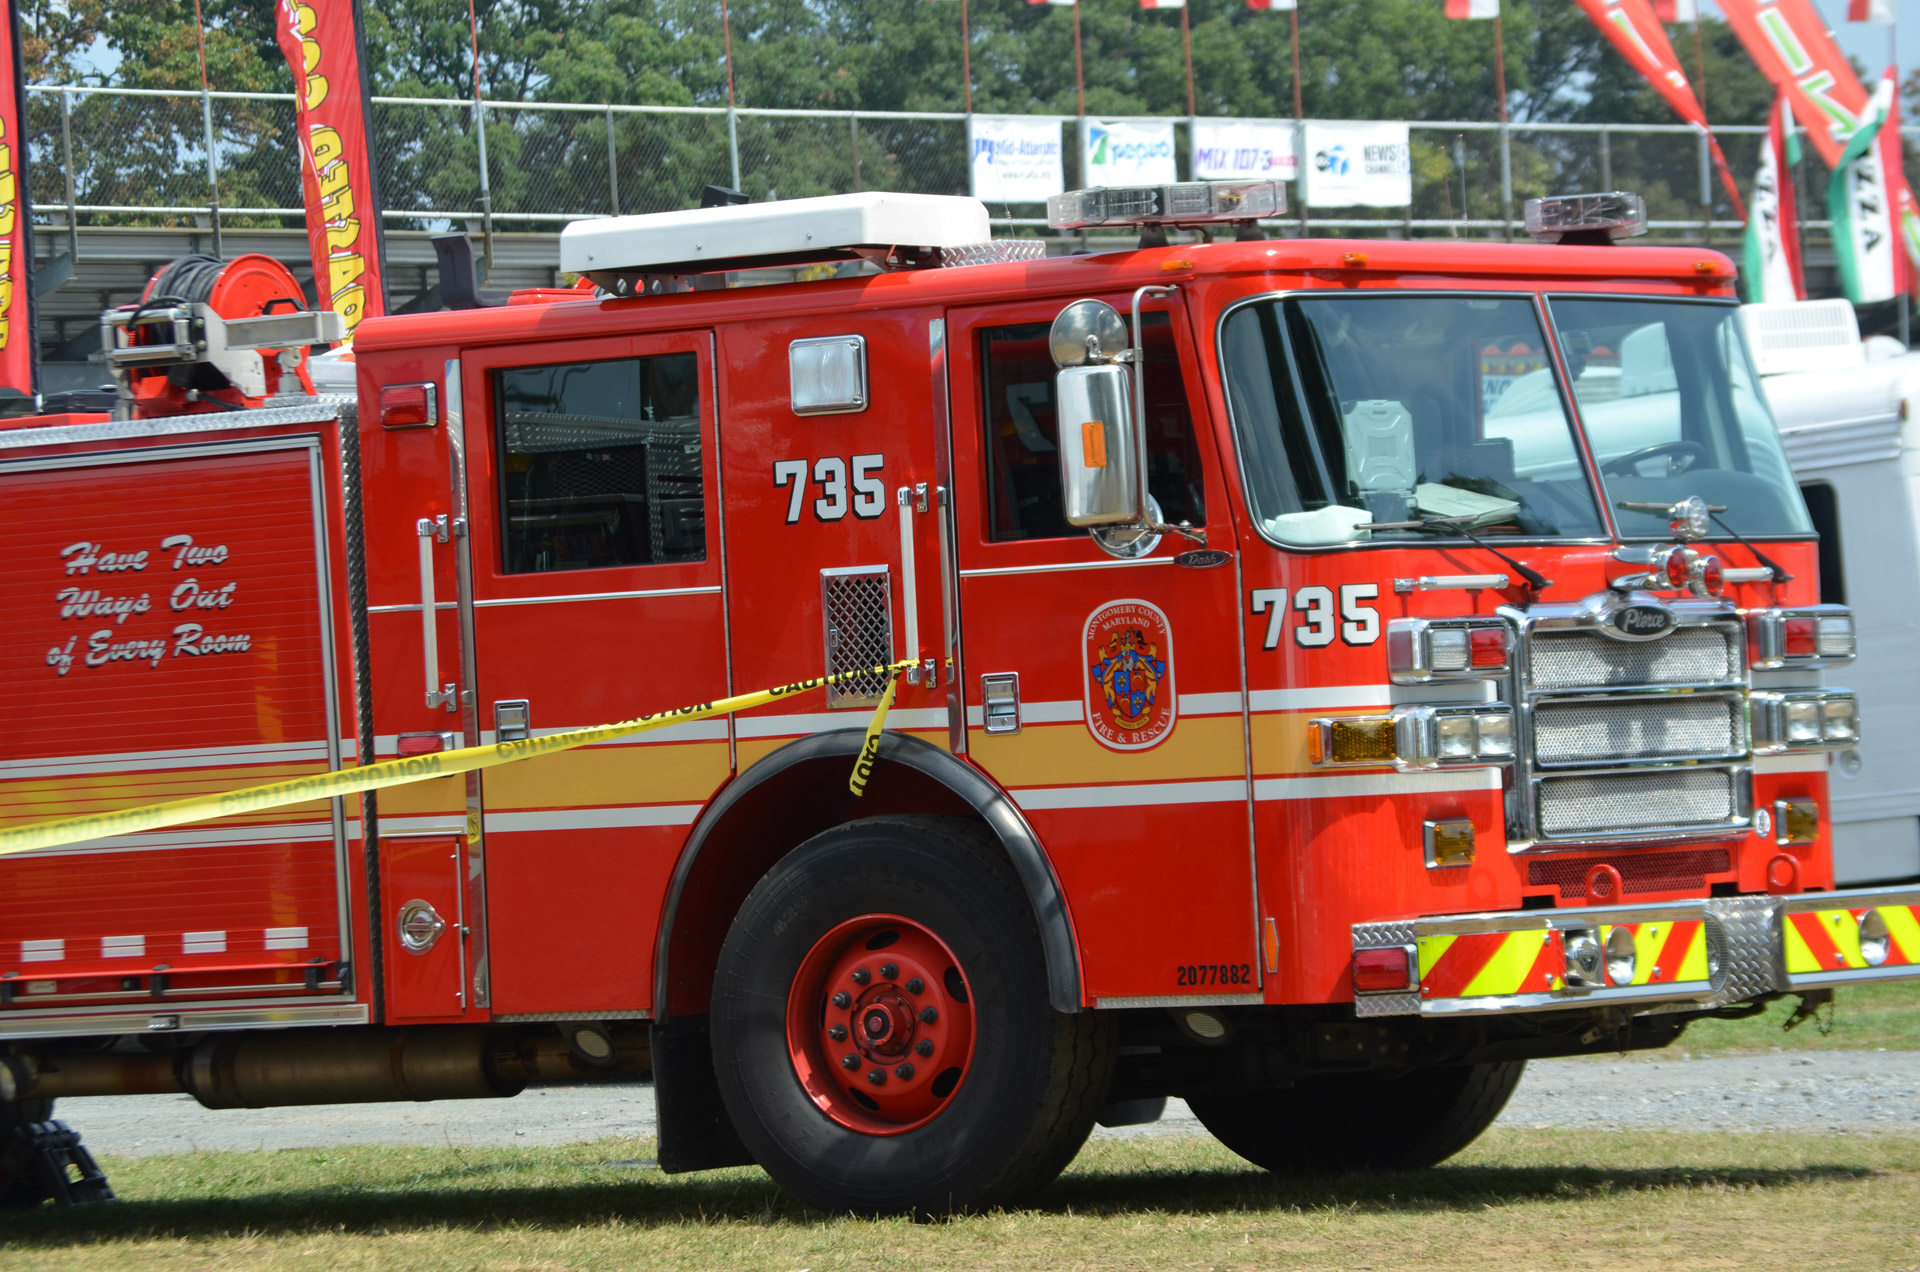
x=1791 y=45
x=1635 y=30
x=322 y=43
x=18 y=366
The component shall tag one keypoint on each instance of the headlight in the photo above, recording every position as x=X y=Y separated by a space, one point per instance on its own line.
x=1805 y=720
x=1455 y=736
x=1496 y=734
x=1415 y=738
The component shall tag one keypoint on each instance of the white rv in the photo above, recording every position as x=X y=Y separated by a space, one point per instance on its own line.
x=1846 y=413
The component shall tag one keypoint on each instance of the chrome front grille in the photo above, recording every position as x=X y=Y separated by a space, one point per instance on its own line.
x=1588 y=660
x=1607 y=804
x=1630 y=741
x=1652 y=727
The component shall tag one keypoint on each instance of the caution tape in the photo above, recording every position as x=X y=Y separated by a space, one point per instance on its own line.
x=420 y=768
x=870 y=749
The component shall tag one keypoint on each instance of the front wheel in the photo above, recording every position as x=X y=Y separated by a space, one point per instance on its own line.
x=881 y=1030
x=1363 y=1121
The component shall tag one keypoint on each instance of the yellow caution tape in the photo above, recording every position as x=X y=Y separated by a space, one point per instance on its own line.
x=870 y=749
x=402 y=772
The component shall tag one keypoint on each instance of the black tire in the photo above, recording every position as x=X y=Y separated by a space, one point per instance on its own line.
x=1036 y=1077
x=20 y=1186
x=1363 y=1122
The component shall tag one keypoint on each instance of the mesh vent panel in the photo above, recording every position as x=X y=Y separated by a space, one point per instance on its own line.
x=859 y=619
x=1581 y=660
x=1640 y=729
x=1615 y=802
x=1640 y=872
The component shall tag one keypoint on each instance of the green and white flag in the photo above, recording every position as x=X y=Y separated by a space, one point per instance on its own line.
x=1861 y=203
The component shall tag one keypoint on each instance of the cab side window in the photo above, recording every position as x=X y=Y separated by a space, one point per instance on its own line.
x=1023 y=461
x=600 y=464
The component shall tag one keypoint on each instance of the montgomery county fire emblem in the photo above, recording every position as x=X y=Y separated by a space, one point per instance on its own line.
x=1129 y=670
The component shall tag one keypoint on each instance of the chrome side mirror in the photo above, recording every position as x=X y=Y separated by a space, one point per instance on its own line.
x=1099 y=446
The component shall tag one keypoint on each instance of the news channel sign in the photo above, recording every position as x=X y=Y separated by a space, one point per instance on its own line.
x=1244 y=149
x=1121 y=152
x=1015 y=159
x=1350 y=165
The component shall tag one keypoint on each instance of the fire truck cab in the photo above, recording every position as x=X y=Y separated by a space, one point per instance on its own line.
x=1340 y=672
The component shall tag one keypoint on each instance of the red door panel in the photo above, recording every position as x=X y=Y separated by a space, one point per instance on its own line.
x=420 y=892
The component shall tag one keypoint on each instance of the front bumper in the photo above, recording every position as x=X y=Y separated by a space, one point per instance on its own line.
x=1705 y=953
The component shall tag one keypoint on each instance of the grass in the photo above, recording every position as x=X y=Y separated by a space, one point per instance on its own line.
x=1517 y=1200
x=1864 y=1017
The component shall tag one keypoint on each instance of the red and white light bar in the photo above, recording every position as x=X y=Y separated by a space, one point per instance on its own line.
x=1814 y=636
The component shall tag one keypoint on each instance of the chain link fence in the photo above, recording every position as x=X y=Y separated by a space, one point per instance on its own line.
x=141 y=157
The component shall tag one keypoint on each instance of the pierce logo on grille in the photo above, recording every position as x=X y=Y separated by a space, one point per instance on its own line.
x=1641 y=622
x=1129 y=675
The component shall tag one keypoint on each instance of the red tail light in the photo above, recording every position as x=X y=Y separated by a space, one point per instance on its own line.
x=1799 y=633
x=1489 y=646
x=1382 y=970
x=409 y=406
x=1713 y=578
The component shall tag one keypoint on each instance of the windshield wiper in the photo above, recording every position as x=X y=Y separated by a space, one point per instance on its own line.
x=1457 y=525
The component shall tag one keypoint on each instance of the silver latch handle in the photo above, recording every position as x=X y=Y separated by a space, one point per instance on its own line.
x=433 y=530
x=910 y=498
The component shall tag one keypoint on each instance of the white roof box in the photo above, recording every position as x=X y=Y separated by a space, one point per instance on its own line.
x=892 y=230
x=1803 y=335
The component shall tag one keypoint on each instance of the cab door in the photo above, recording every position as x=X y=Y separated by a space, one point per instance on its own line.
x=1106 y=695
x=594 y=494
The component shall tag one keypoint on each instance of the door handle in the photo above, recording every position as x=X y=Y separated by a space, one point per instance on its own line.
x=433 y=530
x=912 y=499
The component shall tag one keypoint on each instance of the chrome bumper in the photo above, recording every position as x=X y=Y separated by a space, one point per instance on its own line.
x=1685 y=954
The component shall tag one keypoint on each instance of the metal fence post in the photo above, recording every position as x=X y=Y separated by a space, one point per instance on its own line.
x=213 y=171
x=1300 y=170
x=1706 y=188
x=486 y=184
x=613 y=166
x=733 y=143
x=853 y=135
x=1506 y=181
x=66 y=157
x=1606 y=160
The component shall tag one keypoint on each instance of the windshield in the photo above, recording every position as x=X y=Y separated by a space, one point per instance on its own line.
x=1672 y=408
x=1355 y=410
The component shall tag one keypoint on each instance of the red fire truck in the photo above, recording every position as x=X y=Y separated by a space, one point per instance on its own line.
x=1341 y=672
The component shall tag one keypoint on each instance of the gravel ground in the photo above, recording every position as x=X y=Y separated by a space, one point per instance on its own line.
x=1843 y=1091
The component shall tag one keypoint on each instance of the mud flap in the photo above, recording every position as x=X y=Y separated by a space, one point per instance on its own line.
x=695 y=1131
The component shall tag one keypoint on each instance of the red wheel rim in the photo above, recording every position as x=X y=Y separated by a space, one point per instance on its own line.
x=885 y=993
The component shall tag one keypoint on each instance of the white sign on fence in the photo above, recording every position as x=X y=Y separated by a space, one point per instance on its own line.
x=1015 y=159
x=1118 y=152
x=1357 y=165
x=1239 y=149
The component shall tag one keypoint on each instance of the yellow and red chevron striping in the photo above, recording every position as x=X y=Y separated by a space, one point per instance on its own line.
x=1480 y=964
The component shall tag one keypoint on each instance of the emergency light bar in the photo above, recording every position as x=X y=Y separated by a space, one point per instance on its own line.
x=1188 y=203
x=891 y=230
x=1587 y=218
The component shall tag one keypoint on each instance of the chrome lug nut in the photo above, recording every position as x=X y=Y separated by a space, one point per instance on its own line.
x=861 y=976
x=849 y=1062
x=878 y=1077
x=916 y=985
x=843 y=999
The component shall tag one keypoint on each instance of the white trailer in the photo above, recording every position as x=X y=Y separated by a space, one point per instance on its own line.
x=1847 y=415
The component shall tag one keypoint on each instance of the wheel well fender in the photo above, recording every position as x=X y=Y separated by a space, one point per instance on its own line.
x=800 y=790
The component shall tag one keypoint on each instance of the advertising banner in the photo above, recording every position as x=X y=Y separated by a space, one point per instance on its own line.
x=1770 y=259
x=1357 y=165
x=18 y=365
x=322 y=44
x=1863 y=207
x=1790 y=43
x=1239 y=149
x=1015 y=159
x=1124 y=152
x=1633 y=27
